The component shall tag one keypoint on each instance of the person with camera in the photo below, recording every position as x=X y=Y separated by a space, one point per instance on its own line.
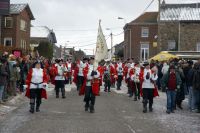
x=149 y=78
x=90 y=86
x=36 y=86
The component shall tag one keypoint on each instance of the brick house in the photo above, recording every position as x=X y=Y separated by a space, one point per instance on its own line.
x=15 y=33
x=140 y=38
x=179 y=27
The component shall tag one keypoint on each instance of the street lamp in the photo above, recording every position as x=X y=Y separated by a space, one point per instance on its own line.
x=125 y=22
x=111 y=37
x=122 y=19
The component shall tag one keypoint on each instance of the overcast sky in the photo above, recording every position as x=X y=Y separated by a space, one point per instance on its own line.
x=75 y=22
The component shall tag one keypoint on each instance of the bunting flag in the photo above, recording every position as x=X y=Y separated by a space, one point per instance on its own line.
x=101 y=47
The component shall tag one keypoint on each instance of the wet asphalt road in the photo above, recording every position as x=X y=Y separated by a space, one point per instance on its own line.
x=114 y=113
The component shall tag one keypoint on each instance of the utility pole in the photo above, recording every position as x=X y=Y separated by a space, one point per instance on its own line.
x=159 y=35
x=111 y=36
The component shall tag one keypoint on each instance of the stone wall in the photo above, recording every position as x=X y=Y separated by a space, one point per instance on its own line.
x=167 y=31
x=189 y=35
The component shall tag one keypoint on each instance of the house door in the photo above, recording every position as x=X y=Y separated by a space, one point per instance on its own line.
x=144 y=51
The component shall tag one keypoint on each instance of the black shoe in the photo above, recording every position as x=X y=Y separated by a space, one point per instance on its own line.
x=135 y=99
x=63 y=97
x=144 y=110
x=57 y=96
x=151 y=109
x=31 y=109
x=168 y=112
x=109 y=91
x=180 y=107
x=172 y=111
x=86 y=109
x=92 y=109
x=37 y=109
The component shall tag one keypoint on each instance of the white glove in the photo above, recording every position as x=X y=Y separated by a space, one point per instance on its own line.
x=25 y=86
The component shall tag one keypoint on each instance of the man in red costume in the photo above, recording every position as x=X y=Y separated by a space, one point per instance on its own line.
x=130 y=84
x=69 y=70
x=113 y=74
x=80 y=75
x=137 y=81
x=60 y=75
x=90 y=86
x=119 y=69
x=36 y=84
x=148 y=79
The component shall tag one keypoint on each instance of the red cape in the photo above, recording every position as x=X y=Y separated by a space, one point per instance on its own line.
x=28 y=82
x=53 y=73
x=95 y=85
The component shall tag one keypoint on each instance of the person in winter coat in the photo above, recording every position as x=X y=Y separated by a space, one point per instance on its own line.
x=180 y=95
x=13 y=76
x=171 y=82
x=3 y=78
x=196 y=86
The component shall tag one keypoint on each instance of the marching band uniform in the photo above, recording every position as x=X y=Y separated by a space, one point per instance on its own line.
x=36 y=84
x=113 y=75
x=60 y=75
x=132 y=75
x=69 y=71
x=137 y=82
x=120 y=70
x=90 y=87
x=148 y=88
x=107 y=78
x=80 y=77
x=126 y=72
x=130 y=84
x=101 y=71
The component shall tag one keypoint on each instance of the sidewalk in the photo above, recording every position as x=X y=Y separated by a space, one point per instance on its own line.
x=11 y=104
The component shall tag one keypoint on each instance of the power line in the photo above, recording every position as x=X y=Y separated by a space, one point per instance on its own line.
x=118 y=34
x=81 y=30
x=91 y=43
x=148 y=6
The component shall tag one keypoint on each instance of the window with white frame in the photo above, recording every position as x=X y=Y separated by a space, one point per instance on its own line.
x=8 y=22
x=22 y=25
x=171 y=45
x=144 y=51
x=198 y=47
x=8 y=41
x=23 y=44
x=145 y=32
